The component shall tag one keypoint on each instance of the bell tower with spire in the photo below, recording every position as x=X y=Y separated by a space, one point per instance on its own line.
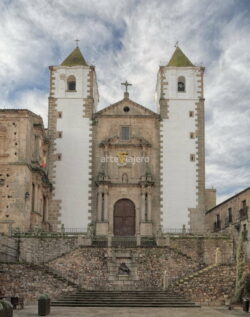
x=72 y=101
x=180 y=101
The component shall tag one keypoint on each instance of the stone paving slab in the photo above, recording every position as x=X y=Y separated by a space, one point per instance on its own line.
x=31 y=311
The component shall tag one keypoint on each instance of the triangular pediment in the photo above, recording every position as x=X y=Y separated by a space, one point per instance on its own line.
x=126 y=107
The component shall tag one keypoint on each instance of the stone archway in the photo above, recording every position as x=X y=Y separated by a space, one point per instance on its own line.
x=124 y=218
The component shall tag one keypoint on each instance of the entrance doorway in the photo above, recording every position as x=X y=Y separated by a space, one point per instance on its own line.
x=124 y=218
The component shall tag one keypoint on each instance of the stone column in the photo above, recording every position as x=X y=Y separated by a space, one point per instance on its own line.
x=106 y=166
x=47 y=209
x=106 y=206
x=143 y=205
x=99 y=215
x=149 y=206
x=36 y=199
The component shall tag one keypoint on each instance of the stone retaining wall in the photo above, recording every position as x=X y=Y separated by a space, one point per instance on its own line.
x=42 y=250
x=203 y=249
x=211 y=287
x=8 y=249
x=89 y=268
x=29 y=282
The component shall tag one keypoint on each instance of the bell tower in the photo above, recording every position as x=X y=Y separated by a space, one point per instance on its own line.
x=180 y=102
x=72 y=101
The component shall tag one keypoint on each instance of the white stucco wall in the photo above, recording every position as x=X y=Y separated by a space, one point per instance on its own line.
x=72 y=171
x=179 y=176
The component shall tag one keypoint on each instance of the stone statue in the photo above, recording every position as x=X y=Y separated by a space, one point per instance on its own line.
x=123 y=269
x=90 y=231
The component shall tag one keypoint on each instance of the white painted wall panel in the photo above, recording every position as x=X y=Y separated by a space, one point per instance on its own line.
x=179 y=173
x=72 y=179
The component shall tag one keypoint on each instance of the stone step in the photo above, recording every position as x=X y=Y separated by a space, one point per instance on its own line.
x=117 y=296
x=129 y=300
x=148 y=304
x=123 y=299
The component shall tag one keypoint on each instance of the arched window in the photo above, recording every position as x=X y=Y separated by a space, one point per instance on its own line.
x=71 y=83
x=181 y=84
x=124 y=178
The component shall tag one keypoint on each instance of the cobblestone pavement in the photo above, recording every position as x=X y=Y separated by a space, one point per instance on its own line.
x=30 y=311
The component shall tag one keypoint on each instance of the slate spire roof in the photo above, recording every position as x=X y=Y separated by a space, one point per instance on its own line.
x=179 y=59
x=75 y=58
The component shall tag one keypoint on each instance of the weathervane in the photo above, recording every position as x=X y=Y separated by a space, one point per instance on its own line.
x=177 y=43
x=77 y=42
x=126 y=84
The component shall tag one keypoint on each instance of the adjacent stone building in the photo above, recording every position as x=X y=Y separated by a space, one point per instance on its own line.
x=232 y=212
x=25 y=189
x=232 y=217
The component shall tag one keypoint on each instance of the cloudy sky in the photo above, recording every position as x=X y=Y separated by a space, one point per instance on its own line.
x=129 y=39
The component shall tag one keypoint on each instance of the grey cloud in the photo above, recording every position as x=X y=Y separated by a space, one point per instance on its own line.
x=128 y=40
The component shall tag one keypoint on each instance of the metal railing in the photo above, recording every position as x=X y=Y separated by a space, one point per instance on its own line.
x=74 y=230
x=180 y=231
x=37 y=232
x=189 y=232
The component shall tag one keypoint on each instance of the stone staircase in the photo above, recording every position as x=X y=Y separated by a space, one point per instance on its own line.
x=193 y=275
x=123 y=299
x=8 y=250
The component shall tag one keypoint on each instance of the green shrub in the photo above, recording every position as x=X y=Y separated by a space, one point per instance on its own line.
x=6 y=304
x=240 y=274
x=43 y=296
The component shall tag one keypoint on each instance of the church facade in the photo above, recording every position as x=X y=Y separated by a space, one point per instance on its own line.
x=126 y=170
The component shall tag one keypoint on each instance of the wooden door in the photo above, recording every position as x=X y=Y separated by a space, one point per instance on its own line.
x=124 y=218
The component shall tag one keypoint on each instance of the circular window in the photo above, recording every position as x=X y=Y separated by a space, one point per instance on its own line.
x=126 y=109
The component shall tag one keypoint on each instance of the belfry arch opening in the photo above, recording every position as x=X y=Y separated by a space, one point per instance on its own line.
x=71 y=83
x=181 y=85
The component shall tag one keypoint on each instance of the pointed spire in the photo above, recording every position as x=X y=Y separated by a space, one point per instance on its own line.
x=179 y=59
x=74 y=59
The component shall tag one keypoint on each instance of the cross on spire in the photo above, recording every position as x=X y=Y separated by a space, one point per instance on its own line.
x=177 y=43
x=126 y=84
x=77 y=42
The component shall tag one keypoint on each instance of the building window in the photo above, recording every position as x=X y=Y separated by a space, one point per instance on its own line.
x=191 y=114
x=230 y=215
x=192 y=135
x=37 y=147
x=181 y=84
x=71 y=83
x=192 y=157
x=59 y=114
x=244 y=204
x=125 y=133
x=217 y=223
x=59 y=134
